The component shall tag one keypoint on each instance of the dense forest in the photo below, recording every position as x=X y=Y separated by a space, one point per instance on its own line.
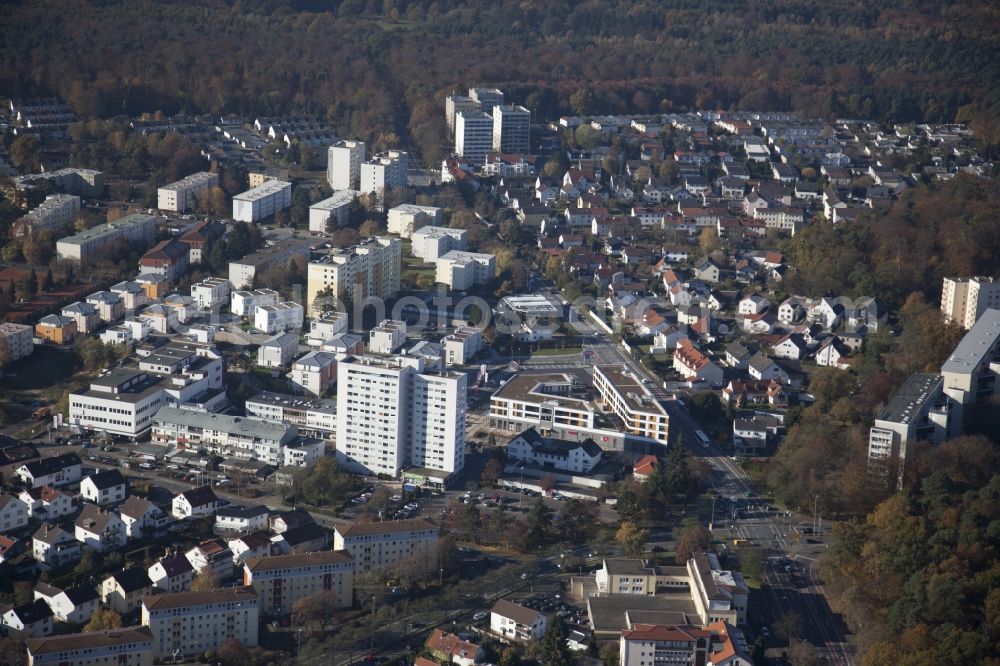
x=383 y=66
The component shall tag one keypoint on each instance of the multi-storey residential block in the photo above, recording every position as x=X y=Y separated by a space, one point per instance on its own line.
x=336 y=208
x=16 y=341
x=370 y=269
x=919 y=411
x=327 y=325
x=389 y=413
x=312 y=416
x=183 y=194
x=511 y=129
x=405 y=219
x=242 y=272
x=82 y=182
x=199 y=235
x=387 y=544
x=282 y=316
x=282 y=580
x=461 y=346
x=343 y=164
x=57 y=211
x=473 y=135
x=461 y=270
x=137 y=230
x=56 y=329
x=211 y=293
x=384 y=171
x=431 y=242
x=189 y=623
x=964 y=300
x=86 y=316
x=229 y=436
x=243 y=303
x=129 y=646
x=628 y=398
x=168 y=258
x=263 y=201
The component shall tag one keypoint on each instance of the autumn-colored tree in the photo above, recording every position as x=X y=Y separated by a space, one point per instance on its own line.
x=205 y=581
x=631 y=539
x=692 y=539
x=103 y=618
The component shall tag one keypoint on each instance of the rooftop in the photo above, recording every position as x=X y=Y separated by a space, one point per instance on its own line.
x=188 y=599
x=288 y=401
x=911 y=397
x=239 y=425
x=633 y=391
x=126 y=636
x=976 y=345
x=101 y=229
x=298 y=560
x=385 y=527
x=268 y=188
x=538 y=389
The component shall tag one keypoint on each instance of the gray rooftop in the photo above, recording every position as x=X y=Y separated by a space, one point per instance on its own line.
x=976 y=344
x=231 y=424
x=911 y=397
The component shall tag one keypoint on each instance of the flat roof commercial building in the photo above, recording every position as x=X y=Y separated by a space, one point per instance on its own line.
x=625 y=396
x=262 y=201
x=183 y=194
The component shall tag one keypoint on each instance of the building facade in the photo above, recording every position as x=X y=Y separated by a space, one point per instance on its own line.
x=282 y=580
x=343 y=164
x=183 y=194
x=188 y=623
x=263 y=201
x=371 y=269
x=381 y=546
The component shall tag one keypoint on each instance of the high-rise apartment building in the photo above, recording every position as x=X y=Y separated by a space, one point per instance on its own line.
x=384 y=171
x=511 y=129
x=487 y=98
x=454 y=104
x=369 y=269
x=343 y=164
x=964 y=300
x=473 y=135
x=391 y=414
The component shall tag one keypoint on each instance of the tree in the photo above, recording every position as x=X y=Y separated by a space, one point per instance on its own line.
x=491 y=472
x=206 y=581
x=31 y=284
x=315 y=609
x=104 y=618
x=48 y=281
x=631 y=539
x=611 y=655
x=511 y=656
x=691 y=540
x=708 y=240
x=553 y=649
x=587 y=138
x=539 y=524
x=232 y=653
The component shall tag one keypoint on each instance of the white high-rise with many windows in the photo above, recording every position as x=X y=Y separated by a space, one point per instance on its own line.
x=473 y=135
x=392 y=414
x=511 y=129
x=343 y=164
x=964 y=300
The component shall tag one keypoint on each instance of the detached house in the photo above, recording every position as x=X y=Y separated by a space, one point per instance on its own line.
x=47 y=503
x=516 y=622
x=213 y=554
x=791 y=346
x=74 y=604
x=196 y=502
x=106 y=487
x=451 y=648
x=534 y=449
x=707 y=270
x=830 y=352
x=124 y=590
x=99 y=529
x=53 y=546
x=236 y=518
x=142 y=518
x=763 y=368
x=53 y=471
x=753 y=304
x=694 y=366
x=13 y=513
x=33 y=619
x=172 y=573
